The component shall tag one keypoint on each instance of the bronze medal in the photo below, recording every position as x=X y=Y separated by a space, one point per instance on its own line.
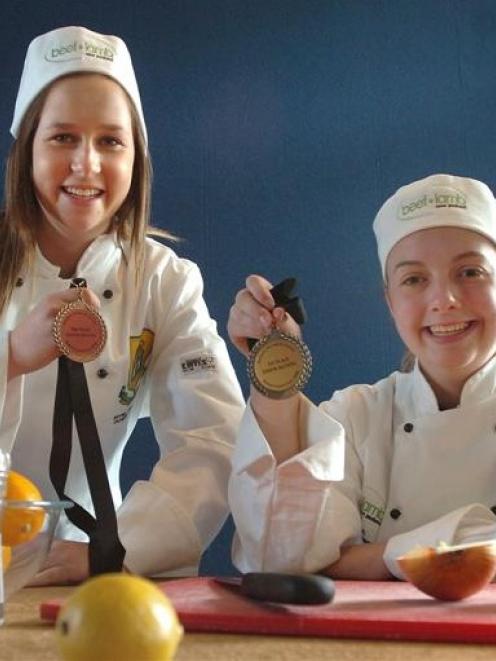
x=279 y=365
x=79 y=331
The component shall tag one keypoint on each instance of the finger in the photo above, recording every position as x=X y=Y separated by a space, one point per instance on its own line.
x=50 y=576
x=251 y=307
x=91 y=298
x=55 y=576
x=260 y=288
x=239 y=328
x=74 y=293
x=53 y=302
x=66 y=563
x=286 y=323
x=242 y=325
x=279 y=315
x=58 y=300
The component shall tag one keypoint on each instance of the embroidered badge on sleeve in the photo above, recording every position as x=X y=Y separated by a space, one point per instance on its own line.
x=198 y=364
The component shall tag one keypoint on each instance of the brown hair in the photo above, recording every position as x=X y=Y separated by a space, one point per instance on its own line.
x=21 y=214
x=407 y=361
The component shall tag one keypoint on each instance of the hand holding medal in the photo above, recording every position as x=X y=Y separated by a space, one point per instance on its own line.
x=78 y=329
x=279 y=364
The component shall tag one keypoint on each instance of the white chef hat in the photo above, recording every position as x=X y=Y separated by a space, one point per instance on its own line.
x=74 y=50
x=441 y=200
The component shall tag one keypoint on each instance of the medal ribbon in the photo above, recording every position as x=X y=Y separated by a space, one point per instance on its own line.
x=72 y=401
x=282 y=294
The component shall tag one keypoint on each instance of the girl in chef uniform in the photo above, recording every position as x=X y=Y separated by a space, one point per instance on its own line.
x=419 y=447
x=77 y=206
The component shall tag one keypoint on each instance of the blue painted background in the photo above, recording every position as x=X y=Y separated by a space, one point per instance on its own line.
x=277 y=130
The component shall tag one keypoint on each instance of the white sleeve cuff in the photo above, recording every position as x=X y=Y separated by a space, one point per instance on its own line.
x=466 y=524
x=324 y=440
x=158 y=536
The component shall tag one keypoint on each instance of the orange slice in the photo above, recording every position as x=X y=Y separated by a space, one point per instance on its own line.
x=21 y=524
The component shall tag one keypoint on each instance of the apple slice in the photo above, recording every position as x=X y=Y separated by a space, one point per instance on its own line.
x=450 y=572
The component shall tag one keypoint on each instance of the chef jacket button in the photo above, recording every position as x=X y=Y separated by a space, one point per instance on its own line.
x=102 y=373
x=395 y=513
x=408 y=427
x=108 y=293
x=19 y=282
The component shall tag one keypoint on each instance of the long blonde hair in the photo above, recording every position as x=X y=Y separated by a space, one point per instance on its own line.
x=21 y=214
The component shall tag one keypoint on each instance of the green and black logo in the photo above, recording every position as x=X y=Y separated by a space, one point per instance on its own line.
x=449 y=199
x=100 y=50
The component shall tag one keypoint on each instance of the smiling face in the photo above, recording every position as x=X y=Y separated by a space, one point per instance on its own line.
x=83 y=155
x=442 y=295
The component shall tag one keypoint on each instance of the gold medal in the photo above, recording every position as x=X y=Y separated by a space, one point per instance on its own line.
x=279 y=365
x=79 y=331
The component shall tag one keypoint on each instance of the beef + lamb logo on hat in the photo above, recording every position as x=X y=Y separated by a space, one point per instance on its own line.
x=72 y=50
x=78 y=48
x=440 y=200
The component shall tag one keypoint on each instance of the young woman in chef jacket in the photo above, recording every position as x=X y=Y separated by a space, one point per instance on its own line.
x=419 y=447
x=77 y=205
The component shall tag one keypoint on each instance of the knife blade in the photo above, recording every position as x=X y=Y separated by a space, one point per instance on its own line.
x=302 y=589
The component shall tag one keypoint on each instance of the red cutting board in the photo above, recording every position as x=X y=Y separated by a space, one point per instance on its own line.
x=361 y=609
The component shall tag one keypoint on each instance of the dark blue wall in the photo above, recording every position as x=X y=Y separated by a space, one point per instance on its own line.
x=277 y=129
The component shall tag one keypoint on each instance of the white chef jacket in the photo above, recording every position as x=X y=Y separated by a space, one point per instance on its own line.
x=163 y=358
x=412 y=475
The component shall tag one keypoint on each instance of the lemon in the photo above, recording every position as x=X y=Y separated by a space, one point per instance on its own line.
x=118 y=616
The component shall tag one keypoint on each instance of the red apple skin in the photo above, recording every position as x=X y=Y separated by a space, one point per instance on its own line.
x=451 y=575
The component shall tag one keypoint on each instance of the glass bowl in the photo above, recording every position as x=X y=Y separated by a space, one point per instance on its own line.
x=28 y=556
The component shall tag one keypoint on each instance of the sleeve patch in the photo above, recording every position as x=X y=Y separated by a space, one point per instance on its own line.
x=198 y=364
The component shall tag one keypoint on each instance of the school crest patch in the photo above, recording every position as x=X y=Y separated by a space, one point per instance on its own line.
x=140 y=350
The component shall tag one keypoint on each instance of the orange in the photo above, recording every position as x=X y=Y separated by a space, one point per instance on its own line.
x=21 y=525
x=118 y=616
x=6 y=556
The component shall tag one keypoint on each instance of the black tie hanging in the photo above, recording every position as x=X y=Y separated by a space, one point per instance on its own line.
x=80 y=333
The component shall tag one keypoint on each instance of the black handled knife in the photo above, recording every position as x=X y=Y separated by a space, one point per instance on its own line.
x=302 y=589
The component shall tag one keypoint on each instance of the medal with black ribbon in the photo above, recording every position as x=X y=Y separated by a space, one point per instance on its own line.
x=78 y=329
x=73 y=402
x=279 y=364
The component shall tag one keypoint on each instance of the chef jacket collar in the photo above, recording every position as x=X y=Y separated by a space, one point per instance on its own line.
x=416 y=395
x=95 y=258
x=481 y=385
